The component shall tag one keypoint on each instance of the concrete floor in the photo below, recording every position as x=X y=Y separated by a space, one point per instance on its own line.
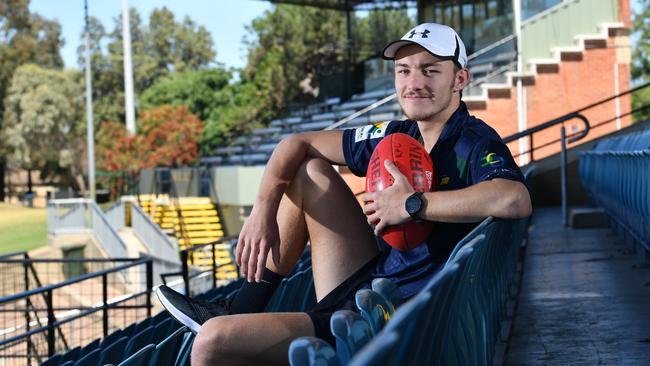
x=584 y=299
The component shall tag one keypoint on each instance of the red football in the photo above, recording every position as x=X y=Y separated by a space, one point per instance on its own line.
x=415 y=163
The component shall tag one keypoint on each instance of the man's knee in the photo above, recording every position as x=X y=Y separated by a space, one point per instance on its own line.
x=312 y=169
x=212 y=342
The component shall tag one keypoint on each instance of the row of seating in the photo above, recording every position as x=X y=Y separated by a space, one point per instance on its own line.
x=455 y=320
x=616 y=175
x=160 y=340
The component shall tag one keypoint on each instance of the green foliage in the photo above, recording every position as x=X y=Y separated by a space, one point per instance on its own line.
x=43 y=123
x=24 y=38
x=162 y=46
x=641 y=59
x=226 y=110
x=379 y=28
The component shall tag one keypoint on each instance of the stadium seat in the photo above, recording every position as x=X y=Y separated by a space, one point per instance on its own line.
x=139 y=340
x=163 y=329
x=53 y=361
x=67 y=363
x=166 y=351
x=306 y=351
x=183 y=357
x=351 y=332
x=114 y=353
x=112 y=337
x=378 y=351
x=91 y=359
x=71 y=355
x=373 y=308
x=389 y=290
x=140 y=358
x=89 y=348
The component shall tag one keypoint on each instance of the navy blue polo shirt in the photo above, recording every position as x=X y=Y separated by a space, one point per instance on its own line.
x=467 y=152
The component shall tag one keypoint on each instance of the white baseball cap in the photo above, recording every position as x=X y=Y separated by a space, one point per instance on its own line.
x=440 y=40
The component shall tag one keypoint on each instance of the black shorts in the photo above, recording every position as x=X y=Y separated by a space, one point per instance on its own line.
x=341 y=298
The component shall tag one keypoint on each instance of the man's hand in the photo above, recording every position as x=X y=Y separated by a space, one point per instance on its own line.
x=385 y=208
x=259 y=235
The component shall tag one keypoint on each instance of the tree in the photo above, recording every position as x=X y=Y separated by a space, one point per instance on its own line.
x=641 y=58
x=377 y=29
x=24 y=38
x=162 y=46
x=207 y=93
x=168 y=136
x=43 y=124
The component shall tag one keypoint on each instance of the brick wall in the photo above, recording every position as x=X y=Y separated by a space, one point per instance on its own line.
x=578 y=80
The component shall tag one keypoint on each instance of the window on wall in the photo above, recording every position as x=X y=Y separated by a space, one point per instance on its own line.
x=531 y=8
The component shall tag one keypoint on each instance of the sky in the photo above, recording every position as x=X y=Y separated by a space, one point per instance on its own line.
x=224 y=19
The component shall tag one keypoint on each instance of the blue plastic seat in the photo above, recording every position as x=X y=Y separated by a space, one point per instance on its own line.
x=89 y=348
x=114 y=353
x=377 y=352
x=163 y=329
x=139 y=340
x=112 y=337
x=166 y=351
x=373 y=308
x=91 y=359
x=307 y=351
x=183 y=357
x=53 y=361
x=140 y=358
x=351 y=332
x=389 y=290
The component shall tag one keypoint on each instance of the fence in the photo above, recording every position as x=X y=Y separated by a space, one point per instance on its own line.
x=74 y=215
x=39 y=319
x=199 y=268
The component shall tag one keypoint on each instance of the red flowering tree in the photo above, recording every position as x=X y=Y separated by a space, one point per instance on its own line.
x=166 y=136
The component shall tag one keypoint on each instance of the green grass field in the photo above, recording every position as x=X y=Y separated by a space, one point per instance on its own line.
x=22 y=228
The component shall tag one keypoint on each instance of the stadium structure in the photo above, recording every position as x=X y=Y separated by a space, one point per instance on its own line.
x=570 y=285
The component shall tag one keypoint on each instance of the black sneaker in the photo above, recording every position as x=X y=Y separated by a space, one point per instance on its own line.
x=189 y=312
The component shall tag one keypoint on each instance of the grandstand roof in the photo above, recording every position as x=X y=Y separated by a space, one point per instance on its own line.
x=349 y=5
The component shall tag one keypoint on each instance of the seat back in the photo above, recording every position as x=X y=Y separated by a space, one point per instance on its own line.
x=306 y=351
x=351 y=332
x=373 y=308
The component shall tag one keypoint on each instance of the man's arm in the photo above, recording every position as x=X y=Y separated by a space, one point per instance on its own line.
x=260 y=231
x=501 y=198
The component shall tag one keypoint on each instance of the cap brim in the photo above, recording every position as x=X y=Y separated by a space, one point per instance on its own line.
x=391 y=49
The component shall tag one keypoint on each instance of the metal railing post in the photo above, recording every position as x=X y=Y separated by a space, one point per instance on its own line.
x=563 y=172
x=51 y=349
x=214 y=266
x=105 y=304
x=185 y=272
x=531 y=148
x=149 y=285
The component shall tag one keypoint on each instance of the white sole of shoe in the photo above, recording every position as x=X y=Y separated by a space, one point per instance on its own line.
x=177 y=314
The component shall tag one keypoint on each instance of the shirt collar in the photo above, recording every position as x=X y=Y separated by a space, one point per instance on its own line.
x=455 y=123
x=452 y=127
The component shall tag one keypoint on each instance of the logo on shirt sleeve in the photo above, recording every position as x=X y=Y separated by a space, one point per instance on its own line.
x=491 y=159
x=371 y=132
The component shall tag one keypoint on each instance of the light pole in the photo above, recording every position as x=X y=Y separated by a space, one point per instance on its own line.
x=129 y=104
x=90 y=133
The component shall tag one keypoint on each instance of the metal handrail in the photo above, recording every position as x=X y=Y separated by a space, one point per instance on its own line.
x=572 y=138
x=54 y=324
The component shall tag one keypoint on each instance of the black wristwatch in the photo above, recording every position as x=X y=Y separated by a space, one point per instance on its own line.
x=414 y=205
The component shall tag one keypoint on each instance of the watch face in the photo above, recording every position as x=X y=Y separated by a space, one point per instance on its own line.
x=413 y=204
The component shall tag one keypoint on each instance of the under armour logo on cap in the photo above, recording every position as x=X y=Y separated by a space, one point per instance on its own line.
x=439 y=40
x=423 y=33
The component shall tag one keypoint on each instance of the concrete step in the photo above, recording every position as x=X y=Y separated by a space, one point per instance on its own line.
x=588 y=218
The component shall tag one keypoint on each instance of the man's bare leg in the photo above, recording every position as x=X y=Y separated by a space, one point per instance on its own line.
x=319 y=205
